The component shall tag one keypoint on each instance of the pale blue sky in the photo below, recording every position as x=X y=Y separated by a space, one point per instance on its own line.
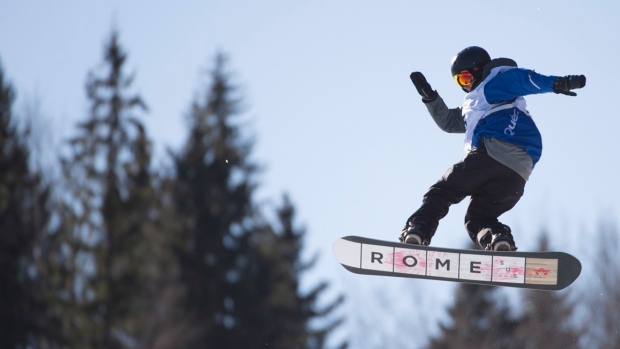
x=338 y=123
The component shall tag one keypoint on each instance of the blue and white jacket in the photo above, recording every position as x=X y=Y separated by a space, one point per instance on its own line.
x=496 y=109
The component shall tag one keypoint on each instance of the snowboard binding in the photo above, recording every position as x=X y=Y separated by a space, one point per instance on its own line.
x=412 y=234
x=502 y=241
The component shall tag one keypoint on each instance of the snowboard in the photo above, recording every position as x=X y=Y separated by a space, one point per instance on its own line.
x=549 y=271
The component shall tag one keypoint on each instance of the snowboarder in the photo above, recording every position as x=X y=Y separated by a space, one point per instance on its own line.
x=502 y=145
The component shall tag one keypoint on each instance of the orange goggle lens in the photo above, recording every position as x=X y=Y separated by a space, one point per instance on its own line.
x=463 y=78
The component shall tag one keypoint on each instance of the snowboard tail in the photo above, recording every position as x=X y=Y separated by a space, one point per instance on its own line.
x=534 y=270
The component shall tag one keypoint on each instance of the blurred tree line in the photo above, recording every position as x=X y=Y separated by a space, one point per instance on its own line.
x=582 y=316
x=481 y=318
x=115 y=253
x=588 y=317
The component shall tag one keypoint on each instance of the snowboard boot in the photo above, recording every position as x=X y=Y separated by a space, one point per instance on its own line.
x=412 y=234
x=502 y=241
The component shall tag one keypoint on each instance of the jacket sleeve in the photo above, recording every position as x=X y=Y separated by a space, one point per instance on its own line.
x=449 y=120
x=517 y=82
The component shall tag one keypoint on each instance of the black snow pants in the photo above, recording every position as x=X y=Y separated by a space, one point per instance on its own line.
x=494 y=189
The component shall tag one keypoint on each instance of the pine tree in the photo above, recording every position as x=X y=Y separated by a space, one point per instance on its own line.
x=287 y=312
x=546 y=322
x=24 y=214
x=306 y=309
x=112 y=214
x=211 y=192
x=478 y=320
x=240 y=273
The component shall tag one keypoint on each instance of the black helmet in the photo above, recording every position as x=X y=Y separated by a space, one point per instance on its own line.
x=470 y=58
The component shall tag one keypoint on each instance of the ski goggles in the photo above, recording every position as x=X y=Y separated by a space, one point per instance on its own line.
x=464 y=78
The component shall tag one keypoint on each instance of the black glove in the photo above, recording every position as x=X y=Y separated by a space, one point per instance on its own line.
x=564 y=84
x=424 y=88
